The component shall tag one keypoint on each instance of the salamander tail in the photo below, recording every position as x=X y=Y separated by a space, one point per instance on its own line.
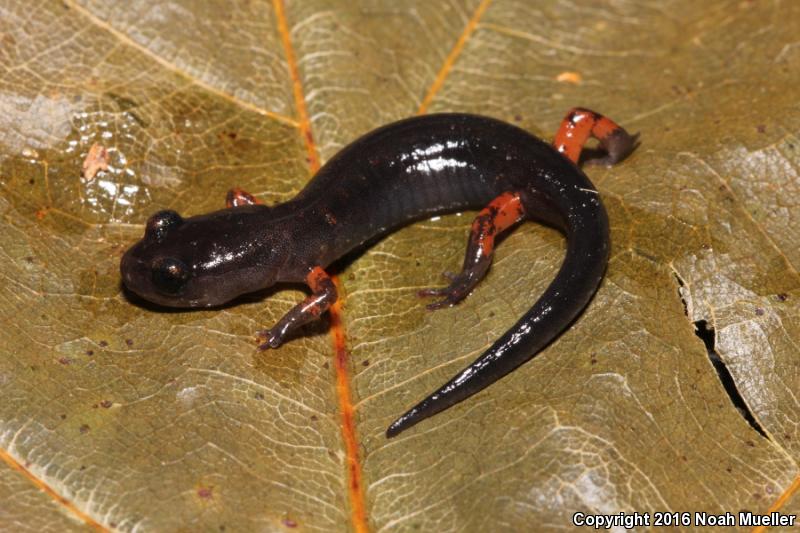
x=567 y=295
x=427 y=407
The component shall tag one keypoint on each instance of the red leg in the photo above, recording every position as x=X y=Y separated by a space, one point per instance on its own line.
x=237 y=197
x=322 y=297
x=502 y=213
x=580 y=124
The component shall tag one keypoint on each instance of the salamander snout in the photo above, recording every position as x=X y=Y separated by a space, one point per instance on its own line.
x=129 y=269
x=160 y=279
x=201 y=261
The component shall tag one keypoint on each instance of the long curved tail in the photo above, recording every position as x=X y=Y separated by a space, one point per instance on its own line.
x=562 y=301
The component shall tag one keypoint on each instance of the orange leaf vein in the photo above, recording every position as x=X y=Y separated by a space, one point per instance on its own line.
x=469 y=29
x=47 y=489
x=343 y=392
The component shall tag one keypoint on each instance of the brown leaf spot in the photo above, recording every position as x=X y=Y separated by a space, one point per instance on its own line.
x=574 y=78
x=96 y=160
x=105 y=404
x=8 y=40
x=84 y=429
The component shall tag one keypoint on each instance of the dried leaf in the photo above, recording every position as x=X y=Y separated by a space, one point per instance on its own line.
x=129 y=417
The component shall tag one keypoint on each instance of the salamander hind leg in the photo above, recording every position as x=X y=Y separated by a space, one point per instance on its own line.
x=322 y=297
x=502 y=213
x=237 y=197
x=580 y=124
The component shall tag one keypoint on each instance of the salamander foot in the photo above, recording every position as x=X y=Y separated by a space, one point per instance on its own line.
x=460 y=287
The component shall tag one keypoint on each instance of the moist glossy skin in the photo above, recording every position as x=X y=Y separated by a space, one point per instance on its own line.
x=406 y=171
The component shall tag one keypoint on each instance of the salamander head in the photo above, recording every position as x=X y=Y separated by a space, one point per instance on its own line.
x=203 y=261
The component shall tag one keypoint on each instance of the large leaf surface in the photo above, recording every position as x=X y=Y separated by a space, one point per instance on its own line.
x=118 y=416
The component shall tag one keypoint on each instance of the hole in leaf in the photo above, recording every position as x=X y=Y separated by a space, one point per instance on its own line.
x=706 y=334
x=680 y=294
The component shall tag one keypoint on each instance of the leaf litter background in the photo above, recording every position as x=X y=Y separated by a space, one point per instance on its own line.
x=114 y=416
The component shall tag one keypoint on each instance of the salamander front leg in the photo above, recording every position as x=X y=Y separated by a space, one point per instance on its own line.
x=580 y=124
x=322 y=297
x=237 y=197
x=502 y=213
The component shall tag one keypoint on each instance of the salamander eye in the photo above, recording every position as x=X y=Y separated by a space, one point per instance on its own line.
x=159 y=224
x=169 y=275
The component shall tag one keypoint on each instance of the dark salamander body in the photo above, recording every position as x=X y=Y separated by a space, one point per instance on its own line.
x=402 y=172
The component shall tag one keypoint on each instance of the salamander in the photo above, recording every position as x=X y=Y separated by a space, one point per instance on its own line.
x=399 y=173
